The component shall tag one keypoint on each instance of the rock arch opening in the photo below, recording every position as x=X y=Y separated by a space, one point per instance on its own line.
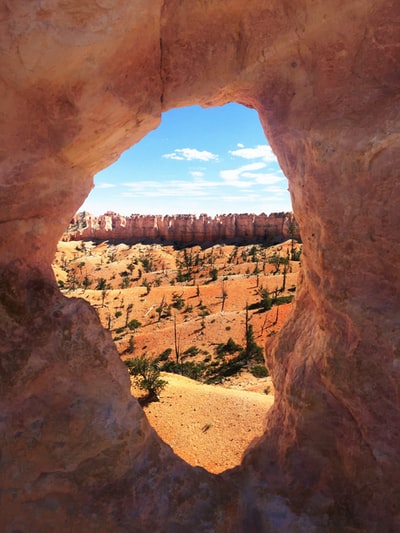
x=225 y=155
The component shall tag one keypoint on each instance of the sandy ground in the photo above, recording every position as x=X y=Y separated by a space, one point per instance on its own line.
x=209 y=425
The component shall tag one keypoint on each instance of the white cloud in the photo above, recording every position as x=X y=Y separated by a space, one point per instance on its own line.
x=263 y=179
x=170 y=189
x=105 y=186
x=233 y=176
x=262 y=151
x=190 y=154
x=240 y=145
x=274 y=189
x=196 y=173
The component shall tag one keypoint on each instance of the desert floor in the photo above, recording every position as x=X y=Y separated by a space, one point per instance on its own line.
x=210 y=425
x=206 y=425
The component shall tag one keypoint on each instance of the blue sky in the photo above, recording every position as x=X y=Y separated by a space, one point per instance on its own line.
x=198 y=160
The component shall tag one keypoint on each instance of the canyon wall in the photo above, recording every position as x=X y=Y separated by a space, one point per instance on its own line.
x=80 y=82
x=184 y=229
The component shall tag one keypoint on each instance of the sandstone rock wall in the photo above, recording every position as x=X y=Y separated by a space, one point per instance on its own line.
x=81 y=81
x=184 y=229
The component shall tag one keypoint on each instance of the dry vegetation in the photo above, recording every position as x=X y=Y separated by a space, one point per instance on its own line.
x=206 y=314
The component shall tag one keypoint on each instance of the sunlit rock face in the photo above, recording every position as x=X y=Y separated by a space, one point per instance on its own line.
x=184 y=229
x=82 y=81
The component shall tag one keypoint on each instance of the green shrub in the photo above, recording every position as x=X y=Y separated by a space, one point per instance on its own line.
x=164 y=356
x=146 y=376
x=259 y=371
x=134 y=324
x=101 y=284
x=214 y=274
x=188 y=368
x=192 y=351
x=295 y=255
x=177 y=301
x=230 y=347
x=283 y=299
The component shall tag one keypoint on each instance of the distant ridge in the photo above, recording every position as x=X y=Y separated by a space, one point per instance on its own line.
x=183 y=230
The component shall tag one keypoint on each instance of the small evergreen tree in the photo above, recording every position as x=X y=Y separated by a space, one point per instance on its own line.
x=146 y=376
x=214 y=274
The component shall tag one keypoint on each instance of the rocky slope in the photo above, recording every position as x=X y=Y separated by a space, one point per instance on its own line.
x=183 y=229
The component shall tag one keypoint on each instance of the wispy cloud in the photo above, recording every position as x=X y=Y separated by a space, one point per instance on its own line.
x=233 y=176
x=105 y=185
x=191 y=154
x=263 y=179
x=261 y=151
x=196 y=173
x=171 y=188
x=273 y=189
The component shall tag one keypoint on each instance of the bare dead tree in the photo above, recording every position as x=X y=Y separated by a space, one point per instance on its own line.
x=160 y=308
x=224 y=296
x=267 y=324
x=128 y=312
x=176 y=342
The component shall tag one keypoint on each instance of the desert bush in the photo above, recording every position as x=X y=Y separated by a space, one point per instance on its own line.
x=204 y=311
x=266 y=301
x=216 y=372
x=181 y=277
x=214 y=274
x=146 y=376
x=134 y=324
x=295 y=254
x=279 y=300
x=146 y=263
x=177 y=301
x=146 y=284
x=101 y=284
x=252 y=351
x=188 y=368
x=230 y=347
x=164 y=356
x=192 y=351
x=259 y=371
x=124 y=284
x=86 y=282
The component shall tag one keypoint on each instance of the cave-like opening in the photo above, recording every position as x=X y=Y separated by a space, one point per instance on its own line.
x=187 y=308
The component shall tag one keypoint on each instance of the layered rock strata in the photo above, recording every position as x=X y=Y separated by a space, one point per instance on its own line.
x=81 y=81
x=184 y=229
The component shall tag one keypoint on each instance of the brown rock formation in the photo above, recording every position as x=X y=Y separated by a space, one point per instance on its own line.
x=80 y=82
x=183 y=229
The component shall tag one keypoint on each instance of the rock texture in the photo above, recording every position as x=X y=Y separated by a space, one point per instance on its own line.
x=183 y=229
x=80 y=81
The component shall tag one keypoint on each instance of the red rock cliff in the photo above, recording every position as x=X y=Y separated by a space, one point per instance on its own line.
x=184 y=229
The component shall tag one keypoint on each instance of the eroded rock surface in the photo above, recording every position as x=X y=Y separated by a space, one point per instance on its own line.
x=184 y=229
x=82 y=81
